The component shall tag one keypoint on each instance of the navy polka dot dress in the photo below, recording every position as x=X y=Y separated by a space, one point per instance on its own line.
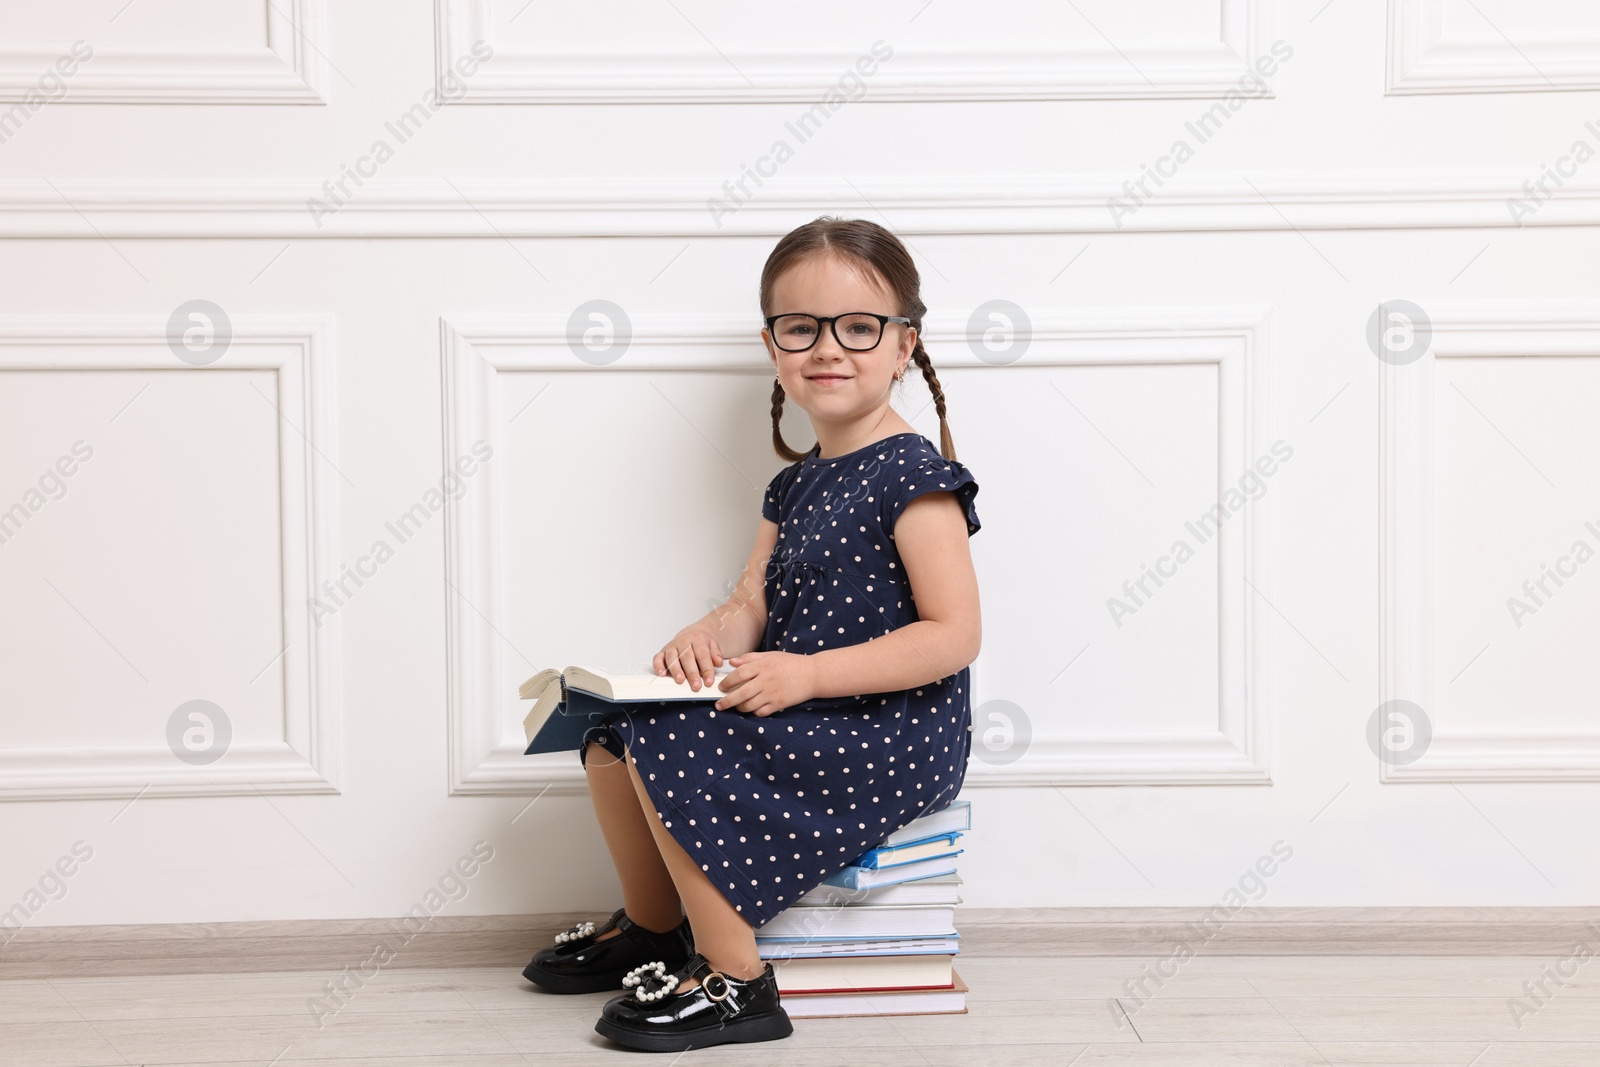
x=769 y=807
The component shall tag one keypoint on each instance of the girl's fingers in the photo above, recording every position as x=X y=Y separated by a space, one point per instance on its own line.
x=660 y=661
x=681 y=664
x=694 y=662
x=708 y=657
x=740 y=694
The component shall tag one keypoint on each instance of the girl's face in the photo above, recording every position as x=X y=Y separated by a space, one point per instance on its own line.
x=831 y=383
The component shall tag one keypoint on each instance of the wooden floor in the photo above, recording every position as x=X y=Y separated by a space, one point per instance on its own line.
x=1238 y=1011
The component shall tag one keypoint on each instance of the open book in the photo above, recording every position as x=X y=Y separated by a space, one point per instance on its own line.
x=567 y=702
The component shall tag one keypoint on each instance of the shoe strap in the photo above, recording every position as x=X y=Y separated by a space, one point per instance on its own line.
x=718 y=986
x=652 y=981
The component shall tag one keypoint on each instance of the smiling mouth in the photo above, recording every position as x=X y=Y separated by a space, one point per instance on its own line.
x=828 y=377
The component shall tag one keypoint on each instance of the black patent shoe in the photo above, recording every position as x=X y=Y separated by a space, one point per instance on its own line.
x=719 y=1010
x=581 y=964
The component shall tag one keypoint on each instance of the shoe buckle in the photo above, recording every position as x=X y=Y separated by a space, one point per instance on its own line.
x=722 y=979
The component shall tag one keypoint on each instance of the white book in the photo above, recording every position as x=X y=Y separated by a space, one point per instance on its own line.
x=770 y=949
x=940 y=889
x=856 y=974
x=862 y=920
x=953 y=817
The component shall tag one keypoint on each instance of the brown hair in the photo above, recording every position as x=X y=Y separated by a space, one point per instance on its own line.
x=866 y=245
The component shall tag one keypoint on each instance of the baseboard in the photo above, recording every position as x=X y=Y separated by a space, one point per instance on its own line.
x=1379 y=931
x=509 y=940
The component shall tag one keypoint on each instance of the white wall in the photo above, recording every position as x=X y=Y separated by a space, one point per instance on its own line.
x=1174 y=338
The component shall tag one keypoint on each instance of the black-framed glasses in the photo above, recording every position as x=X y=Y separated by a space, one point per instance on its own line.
x=858 y=331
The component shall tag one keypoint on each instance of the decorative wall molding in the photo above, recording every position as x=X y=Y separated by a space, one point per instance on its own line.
x=981 y=204
x=731 y=75
x=1238 y=751
x=290 y=69
x=1422 y=59
x=1407 y=465
x=485 y=756
x=307 y=760
x=485 y=750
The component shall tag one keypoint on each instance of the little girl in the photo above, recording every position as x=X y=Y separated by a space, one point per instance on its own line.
x=846 y=713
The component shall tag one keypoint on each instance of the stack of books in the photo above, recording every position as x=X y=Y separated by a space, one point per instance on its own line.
x=879 y=936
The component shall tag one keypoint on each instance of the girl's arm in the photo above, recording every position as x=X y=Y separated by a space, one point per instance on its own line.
x=736 y=626
x=931 y=535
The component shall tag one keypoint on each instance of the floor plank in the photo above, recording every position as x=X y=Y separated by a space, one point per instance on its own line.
x=1244 y=1011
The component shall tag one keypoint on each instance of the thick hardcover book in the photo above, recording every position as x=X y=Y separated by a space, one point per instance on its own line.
x=941 y=889
x=567 y=703
x=852 y=1003
x=956 y=815
x=895 y=855
x=777 y=948
x=867 y=921
x=863 y=974
x=858 y=877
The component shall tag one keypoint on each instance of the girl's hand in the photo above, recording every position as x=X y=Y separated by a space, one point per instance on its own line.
x=693 y=655
x=763 y=683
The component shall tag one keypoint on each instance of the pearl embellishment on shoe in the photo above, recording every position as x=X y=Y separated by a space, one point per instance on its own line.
x=583 y=929
x=649 y=972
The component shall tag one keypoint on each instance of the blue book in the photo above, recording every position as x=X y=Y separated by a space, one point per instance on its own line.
x=929 y=848
x=567 y=703
x=858 y=877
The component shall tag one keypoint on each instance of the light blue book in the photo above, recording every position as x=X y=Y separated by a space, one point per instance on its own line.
x=857 y=877
x=954 y=816
x=894 y=855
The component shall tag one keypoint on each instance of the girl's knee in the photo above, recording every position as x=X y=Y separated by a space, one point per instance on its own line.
x=597 y=756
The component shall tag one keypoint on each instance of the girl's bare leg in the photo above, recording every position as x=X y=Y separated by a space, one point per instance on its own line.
x=721 y=934
x=648 y=894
